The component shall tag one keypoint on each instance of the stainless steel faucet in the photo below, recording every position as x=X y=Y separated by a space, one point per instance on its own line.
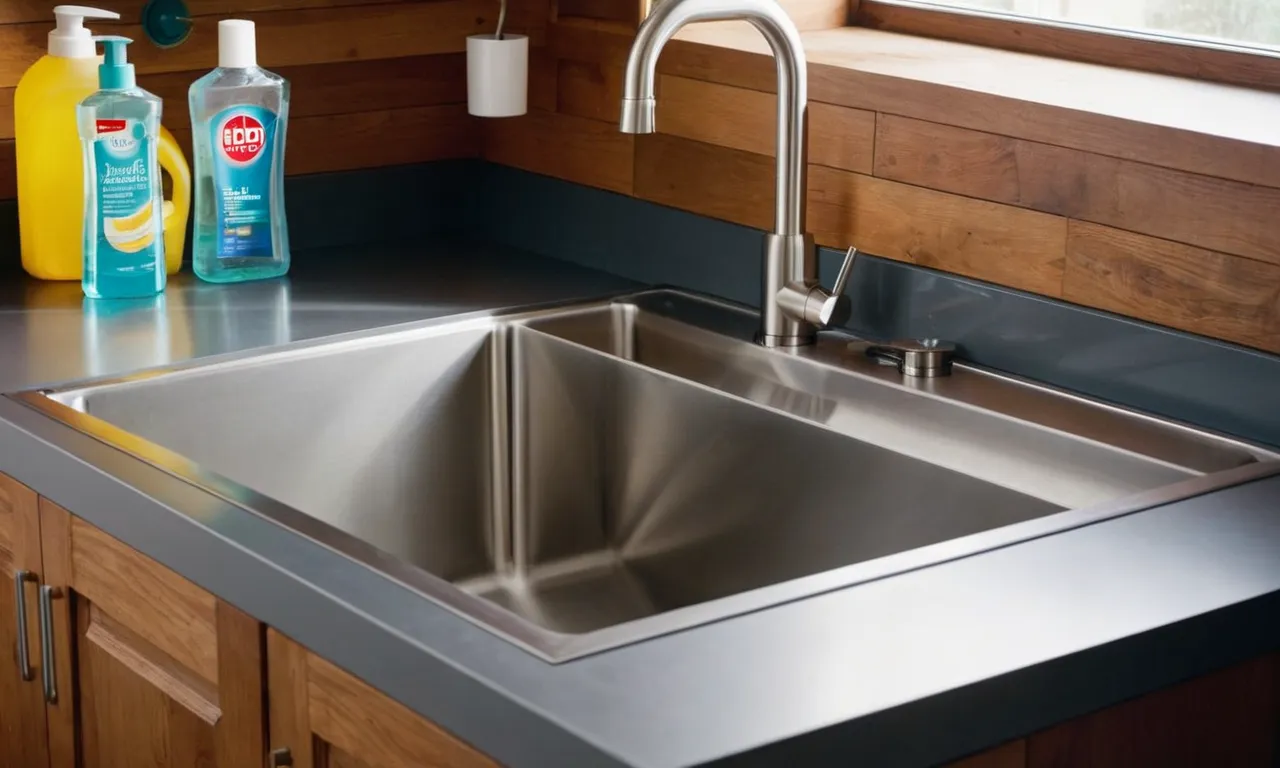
x=794 y=305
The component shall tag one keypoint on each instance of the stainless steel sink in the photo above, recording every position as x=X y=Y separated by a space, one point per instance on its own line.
x=586 y=476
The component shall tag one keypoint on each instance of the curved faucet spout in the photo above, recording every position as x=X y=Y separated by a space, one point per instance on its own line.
x=668 y=17
x=792 y=303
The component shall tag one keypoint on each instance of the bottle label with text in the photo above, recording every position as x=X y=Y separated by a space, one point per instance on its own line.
x=243 y=149
x=128 y=222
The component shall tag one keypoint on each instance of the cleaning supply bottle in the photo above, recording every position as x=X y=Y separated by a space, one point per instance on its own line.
x=238 y=117
x=119 y=132
x=51 y=188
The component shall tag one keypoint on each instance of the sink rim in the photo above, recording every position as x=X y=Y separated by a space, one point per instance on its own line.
x=550 y=645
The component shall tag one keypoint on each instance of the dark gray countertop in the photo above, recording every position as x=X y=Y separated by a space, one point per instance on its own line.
x=49 y=332
x=909 y=670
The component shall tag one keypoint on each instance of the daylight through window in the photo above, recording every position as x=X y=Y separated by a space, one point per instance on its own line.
x=1243 y=22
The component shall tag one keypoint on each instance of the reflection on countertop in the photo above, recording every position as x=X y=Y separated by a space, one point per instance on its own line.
x=49 y=332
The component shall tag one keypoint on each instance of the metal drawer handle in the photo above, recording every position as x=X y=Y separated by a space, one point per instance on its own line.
x=20 y=579
x=47 y=594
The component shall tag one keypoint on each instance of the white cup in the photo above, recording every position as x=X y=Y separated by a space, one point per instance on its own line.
x=497 y=75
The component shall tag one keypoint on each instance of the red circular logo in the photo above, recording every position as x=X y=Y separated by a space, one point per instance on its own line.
x=242 y=138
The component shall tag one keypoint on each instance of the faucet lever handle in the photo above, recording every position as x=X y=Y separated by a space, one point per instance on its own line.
x=833 y=308
x=846 y=271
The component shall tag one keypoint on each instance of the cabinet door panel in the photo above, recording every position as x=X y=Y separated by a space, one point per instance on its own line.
x=138 y=707
x=328 y=718
x=164 y=675
x=336 y=758
x=22 y=724
x=163 y=608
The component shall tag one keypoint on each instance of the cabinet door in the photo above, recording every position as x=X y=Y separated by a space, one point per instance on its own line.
x=149 y=670
x=22 y=727
x=323 y=717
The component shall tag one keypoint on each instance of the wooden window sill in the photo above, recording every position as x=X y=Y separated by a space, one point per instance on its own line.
x=1206 y=128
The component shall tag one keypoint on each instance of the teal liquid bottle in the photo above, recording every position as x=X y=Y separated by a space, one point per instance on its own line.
x=124 y=210
x=239 y=113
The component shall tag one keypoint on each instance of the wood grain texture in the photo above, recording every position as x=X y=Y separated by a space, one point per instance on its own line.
x=1010 y=755
x=12 y=11
x=381 y=61
x=158 y=669
x=584 y=40
x=19 y=522
x=372 y=139
x=168 y=611
x=22 y=726
x=126 y=719
x=347 y=713
x=806 y=14
x=336 y=758
x=1228 y=718
x=588 y=89
x=8 y=170
x=340 y=88
x=1002 y=244
x=745 y=119
x=1213 y=213
x=1120 y=113
x=727 y=184
x=6 y=113
x=624 y=12
x=55 y=551
x=1199 y=62
x=1192 y=289
x=817 y=14
x=290 y=37
x=241 y=735
x=42 y=10
x=129 y=689
x=288 y=714
x=369 y=137
x=573 y=148
x=543 y=80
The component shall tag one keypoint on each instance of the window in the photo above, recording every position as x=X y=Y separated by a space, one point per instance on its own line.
x=1228 y=41
x=1246 y=22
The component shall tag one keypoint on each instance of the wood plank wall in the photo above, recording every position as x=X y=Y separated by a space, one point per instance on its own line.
x=1158 y=242
x=375 y=82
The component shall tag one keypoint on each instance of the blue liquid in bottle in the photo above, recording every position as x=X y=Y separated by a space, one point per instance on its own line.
x=239 y=113
x=123 y=239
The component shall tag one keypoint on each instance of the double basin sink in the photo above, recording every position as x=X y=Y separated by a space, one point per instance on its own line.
x=585 y=476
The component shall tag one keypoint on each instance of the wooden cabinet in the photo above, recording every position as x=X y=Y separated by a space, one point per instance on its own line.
x=22 y=725
x=147 y=669
x=325 y=718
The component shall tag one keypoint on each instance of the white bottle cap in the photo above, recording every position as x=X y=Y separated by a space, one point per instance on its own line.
x=237 y=48
x=69 y=39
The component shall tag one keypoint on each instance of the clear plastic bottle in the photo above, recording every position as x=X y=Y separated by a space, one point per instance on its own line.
x=239 y=113
x=119 y=126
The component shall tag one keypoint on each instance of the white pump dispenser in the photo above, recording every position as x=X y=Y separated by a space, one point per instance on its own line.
x=70 y=39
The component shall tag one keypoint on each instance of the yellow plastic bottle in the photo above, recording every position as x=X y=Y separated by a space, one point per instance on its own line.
x=47 y=144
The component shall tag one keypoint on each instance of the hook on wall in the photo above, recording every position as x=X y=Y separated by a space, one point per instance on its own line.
x=167 y=23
